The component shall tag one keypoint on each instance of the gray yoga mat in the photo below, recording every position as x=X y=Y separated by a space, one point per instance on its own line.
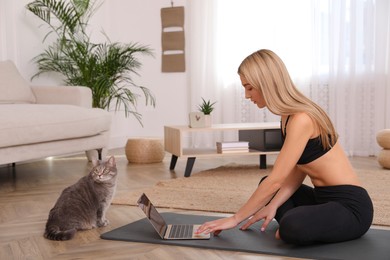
x=375 y=244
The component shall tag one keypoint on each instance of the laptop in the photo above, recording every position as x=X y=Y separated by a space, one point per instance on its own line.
x=171 y=231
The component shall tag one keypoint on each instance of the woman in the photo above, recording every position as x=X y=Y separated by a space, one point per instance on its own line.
x=337 y=208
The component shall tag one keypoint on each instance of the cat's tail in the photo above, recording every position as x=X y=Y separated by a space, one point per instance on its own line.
x=54 y=233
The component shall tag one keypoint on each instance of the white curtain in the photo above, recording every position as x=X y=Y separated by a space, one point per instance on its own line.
x=337 y=53
x=356 y=59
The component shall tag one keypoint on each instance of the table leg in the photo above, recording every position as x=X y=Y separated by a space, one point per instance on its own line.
x=173 y=162
x=190 y=164
x=263 y=161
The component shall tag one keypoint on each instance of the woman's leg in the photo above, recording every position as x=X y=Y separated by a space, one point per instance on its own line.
x=329 y=222
x=342 y=213
x=302 y=197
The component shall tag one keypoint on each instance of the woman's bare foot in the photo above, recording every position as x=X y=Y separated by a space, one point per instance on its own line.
x=277 y=236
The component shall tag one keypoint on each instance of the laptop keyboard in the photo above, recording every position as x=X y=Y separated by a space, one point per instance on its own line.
x=181 y=231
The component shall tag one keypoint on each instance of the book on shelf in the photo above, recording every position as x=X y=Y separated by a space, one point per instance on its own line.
x=234 y=144
x=237 y=150
x=232 y=147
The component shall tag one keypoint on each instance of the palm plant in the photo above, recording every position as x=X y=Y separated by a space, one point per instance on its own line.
x=105 y=68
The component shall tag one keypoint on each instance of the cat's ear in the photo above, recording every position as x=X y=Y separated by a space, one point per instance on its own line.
x=111 y=161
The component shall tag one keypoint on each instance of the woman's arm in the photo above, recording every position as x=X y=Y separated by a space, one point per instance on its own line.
x=300 y=130
x=289 y=187
x=292 y=183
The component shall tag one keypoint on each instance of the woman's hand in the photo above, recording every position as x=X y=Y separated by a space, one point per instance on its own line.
x=267 y=213
x=217 y=226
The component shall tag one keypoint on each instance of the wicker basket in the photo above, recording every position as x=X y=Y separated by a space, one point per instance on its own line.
x=144 y=150
x=383 y=139
x=384 y=158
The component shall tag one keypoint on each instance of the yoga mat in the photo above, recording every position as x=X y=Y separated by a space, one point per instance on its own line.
x=373 y=245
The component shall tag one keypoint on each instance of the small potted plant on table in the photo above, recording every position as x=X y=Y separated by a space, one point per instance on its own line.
x=206 y=108
x=203 y=117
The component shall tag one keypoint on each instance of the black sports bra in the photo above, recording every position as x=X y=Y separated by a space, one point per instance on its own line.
x=313 y=149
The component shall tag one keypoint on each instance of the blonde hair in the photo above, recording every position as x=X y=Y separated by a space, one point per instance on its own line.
x=266 y=72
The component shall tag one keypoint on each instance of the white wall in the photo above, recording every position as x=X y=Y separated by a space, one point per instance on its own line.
x=123 y=21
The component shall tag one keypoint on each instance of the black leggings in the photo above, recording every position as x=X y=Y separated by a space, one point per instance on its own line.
x=325 y=214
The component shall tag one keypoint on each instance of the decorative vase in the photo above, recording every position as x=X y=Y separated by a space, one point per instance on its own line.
x=207 y=120
x=199 y=120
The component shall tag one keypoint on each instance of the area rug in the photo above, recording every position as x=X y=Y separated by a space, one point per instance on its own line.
x=226 y=188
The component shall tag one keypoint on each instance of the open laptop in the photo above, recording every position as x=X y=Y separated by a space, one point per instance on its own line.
x=171 y=231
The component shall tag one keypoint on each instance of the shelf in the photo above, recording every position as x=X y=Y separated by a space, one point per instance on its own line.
x=191 y=152
x=225 y=127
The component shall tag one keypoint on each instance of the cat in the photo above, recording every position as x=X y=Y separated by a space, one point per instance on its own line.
x=83 y=205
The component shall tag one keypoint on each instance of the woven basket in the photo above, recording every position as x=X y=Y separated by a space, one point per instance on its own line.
x=383 y=138
x=144 y=150
x=384 y=158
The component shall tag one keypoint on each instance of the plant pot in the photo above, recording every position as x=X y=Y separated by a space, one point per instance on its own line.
x=200 y=120
x=207 y=121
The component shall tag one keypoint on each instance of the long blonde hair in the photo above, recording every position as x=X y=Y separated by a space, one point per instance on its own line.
x=266 y=72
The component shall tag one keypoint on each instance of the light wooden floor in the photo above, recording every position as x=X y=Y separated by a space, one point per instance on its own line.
x=29 y=191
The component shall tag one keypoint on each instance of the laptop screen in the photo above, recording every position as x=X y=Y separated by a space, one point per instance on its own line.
x=151 y=213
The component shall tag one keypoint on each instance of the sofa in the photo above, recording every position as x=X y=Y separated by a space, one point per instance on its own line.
x=45 y=121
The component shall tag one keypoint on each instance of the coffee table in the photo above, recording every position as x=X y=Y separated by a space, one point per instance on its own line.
x=174 y=143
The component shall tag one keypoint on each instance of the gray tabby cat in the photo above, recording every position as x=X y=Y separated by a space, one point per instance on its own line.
x=83 y=205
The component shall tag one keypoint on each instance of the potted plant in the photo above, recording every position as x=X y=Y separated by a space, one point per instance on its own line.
x=202 y=118
x=106 y=67
x=206 y=107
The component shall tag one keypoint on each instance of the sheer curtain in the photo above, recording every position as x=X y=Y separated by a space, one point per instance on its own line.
x=350 y=56
x=337 y=53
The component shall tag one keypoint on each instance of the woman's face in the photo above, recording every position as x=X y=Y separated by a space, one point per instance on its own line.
x=252 y=93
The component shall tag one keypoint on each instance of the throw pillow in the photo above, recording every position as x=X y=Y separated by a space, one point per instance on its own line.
x=13 y=87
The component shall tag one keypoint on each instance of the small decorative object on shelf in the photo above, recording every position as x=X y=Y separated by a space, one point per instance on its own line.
x=203 y=117
x=197 y=119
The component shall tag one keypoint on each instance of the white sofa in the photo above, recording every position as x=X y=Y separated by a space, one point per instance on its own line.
x=38 y=122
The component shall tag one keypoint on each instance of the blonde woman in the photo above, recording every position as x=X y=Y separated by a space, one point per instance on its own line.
x=337 y=208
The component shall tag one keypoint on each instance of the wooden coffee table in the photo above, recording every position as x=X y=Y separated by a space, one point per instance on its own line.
x=174 y=143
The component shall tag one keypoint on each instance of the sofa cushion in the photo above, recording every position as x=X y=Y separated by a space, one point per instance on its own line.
x=35 y=123
x=13 y=87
